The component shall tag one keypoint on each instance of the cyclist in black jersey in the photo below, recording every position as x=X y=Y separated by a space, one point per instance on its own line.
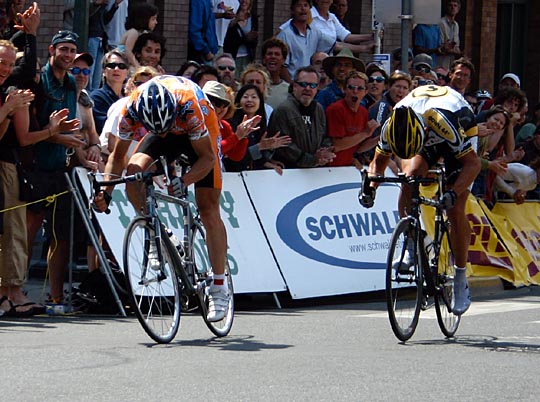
x=430 y=124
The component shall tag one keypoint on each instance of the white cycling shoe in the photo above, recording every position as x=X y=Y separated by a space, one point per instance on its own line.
x=462 y=298
x=218 y=303
x=405 y=265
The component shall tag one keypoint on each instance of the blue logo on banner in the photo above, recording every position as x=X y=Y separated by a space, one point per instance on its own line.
x=331 y=227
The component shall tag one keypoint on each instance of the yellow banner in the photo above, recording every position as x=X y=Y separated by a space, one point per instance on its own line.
x=505 y=242
x=493 y=251
x=523 y=224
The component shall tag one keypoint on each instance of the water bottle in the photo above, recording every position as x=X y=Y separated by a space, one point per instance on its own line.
x=428 y=246
x=176 y=242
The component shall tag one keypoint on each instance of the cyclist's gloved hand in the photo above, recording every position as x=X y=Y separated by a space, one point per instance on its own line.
x=177 y=188
x=448 y=199
x=367 y=197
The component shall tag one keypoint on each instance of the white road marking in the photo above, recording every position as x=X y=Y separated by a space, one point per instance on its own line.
x=477 y=308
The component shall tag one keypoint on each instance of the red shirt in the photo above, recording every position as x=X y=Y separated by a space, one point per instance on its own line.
x=342 y=122
x=231 y=146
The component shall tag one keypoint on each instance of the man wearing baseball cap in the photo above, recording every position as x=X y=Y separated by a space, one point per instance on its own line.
x=510 y=80
x=423 y=67
x=57 y=91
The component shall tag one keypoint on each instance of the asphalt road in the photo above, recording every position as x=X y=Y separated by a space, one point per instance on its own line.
x=309 y=351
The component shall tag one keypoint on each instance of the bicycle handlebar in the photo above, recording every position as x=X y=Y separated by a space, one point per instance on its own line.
x=403 y=179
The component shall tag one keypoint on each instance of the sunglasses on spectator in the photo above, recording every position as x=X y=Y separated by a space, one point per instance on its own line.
x=356 y=87
x=423 y=69
x=425 y=82
x=223 y=68
x=377 y=78
x=305 y=84
x=112 y=66
x=219 y=104
x=76 y=71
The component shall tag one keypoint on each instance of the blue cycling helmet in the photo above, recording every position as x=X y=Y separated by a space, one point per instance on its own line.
x=156 y=108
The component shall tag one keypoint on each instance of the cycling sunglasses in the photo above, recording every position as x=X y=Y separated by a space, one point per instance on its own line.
x=356 y=87
x=377 y=79
x=305 y=84
x=423 y=69
x=112 y=66
x=77 y=71
x=223 y=68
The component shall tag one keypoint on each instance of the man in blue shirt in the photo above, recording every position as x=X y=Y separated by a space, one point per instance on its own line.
x=427 y=39
x=337 y=67
x=202 y=39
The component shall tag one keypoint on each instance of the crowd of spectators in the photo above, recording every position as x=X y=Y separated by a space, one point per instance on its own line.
x=311 y=101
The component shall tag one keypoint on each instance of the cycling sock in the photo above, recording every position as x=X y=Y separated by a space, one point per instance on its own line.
x=460 y=275
x=219 y=280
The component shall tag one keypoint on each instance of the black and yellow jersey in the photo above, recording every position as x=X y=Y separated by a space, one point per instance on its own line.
x=447 y=118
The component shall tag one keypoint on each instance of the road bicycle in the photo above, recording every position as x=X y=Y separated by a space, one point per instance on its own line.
x=159 y=292
x=430 y=278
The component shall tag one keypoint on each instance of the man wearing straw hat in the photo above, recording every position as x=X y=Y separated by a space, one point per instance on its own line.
x=337 y=67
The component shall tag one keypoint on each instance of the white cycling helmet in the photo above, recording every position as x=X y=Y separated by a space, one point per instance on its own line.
x=156 y=108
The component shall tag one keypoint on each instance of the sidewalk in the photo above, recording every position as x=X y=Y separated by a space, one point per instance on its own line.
x=480 y=287
x=485 y=285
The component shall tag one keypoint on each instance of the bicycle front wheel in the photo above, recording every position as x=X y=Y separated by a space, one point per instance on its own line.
x=444 y=283
x=202 y=270
x=404 y=279
x=153 y=290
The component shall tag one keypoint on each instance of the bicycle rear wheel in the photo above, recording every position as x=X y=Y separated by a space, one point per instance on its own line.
x=403 y=280
x=203 y=270
x=444 y=282
x=154 y=293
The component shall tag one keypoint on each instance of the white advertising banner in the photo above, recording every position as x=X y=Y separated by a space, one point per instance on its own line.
x=324 y=241
x=252 y=265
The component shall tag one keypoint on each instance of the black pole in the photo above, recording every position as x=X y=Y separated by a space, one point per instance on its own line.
x=80 y=23
x=406 y=22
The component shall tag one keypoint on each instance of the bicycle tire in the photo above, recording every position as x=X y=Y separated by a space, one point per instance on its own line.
x=202 y=270
x=154 y=294
x=404 y=289
x=444 y=283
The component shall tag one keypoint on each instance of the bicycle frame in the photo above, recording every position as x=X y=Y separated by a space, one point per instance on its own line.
x=157 y=291
x=187 y=256
x=432 y=275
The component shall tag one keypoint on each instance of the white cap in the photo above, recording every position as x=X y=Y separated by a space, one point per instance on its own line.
x=513 y=77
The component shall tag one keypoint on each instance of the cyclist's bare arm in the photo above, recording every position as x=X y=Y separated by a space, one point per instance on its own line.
x=115 y=165
x=378 y=165
x=204 y=163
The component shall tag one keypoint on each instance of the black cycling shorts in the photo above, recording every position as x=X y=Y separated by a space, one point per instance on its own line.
x=172 y=147
x=433 y=153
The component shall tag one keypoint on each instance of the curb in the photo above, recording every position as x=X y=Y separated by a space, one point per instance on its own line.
x=485 y=285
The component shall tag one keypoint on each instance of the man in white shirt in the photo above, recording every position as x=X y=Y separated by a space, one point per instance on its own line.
x=449 y=29
x=224 y=11
x=116 y=26
x=299 y=37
